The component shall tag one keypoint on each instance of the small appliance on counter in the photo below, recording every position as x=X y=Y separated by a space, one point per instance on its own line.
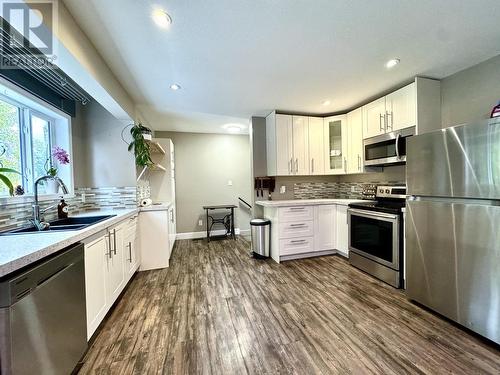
x=376 y=235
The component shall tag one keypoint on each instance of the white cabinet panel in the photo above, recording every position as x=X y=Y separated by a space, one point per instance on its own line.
x=316 y=146
x=296 y=213
x=95 y=282
x=284 y=145
x=300 y=145
x=401 y=108
x=295 y=229
x=342 y=234
x=155 y=240
x=355 y=140
x=296 y=246
x=115 y=263
x=374 y=118
x=325 y=229
x=172 y=230
x=335 y=131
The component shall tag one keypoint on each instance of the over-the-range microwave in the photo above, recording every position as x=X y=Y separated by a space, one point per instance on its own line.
x=387 y=149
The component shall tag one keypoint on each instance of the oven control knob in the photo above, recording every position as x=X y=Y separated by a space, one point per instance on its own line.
x=381 y=191
x=387 y=191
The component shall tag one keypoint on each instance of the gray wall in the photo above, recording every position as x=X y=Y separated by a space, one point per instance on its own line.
x=100 y=155
x=204 y=163
x=470 y=94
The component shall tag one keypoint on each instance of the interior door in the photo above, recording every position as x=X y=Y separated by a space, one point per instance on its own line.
x=301 y=145
x=355 y=138
x=401 y=107
x=374 y=118
x=316 y=146
x=284 y=145
x=335 y=130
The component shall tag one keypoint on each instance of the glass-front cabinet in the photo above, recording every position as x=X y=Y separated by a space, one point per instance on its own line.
x=336 y=144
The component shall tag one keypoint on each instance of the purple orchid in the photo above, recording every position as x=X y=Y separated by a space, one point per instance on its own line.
x=60 y=154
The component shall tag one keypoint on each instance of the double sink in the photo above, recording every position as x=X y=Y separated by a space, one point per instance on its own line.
x=68 y=224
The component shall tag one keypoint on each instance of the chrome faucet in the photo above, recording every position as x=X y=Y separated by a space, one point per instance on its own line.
x=39 y=224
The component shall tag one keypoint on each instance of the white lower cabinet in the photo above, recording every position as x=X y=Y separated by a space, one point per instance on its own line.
x=324 y=231
x=108 y=269
x=305 y=231
x=157 y=239
x=342 y=233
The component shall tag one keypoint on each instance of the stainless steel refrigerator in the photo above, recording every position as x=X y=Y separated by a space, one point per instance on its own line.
x=453 y=224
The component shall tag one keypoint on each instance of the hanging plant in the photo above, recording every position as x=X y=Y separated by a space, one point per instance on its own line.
x=139 y=145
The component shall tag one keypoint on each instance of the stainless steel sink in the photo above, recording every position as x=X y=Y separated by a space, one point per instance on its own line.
x=69 y=224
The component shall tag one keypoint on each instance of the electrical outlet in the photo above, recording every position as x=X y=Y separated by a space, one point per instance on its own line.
x=353 y=189
x=282 y=189
x=200 y=223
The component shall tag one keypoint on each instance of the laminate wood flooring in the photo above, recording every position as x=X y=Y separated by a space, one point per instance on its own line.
x=218 y=311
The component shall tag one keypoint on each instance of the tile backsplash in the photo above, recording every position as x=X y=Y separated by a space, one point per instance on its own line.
x=86 y=199
x=338 y=190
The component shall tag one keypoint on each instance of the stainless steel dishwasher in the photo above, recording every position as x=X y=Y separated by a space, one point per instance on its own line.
x=42 y=316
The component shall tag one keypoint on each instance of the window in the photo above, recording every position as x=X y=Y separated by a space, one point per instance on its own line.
x=26 y=139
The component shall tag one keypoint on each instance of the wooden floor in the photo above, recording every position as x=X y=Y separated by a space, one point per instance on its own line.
x=218 y=311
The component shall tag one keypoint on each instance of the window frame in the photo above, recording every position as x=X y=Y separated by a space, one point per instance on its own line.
x=25 y=113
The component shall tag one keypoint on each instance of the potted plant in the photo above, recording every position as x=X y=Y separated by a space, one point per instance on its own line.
x=139 y=145
x=5 y=180
x=61 y=157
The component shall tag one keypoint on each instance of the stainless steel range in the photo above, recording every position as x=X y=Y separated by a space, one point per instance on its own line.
x=376 y=235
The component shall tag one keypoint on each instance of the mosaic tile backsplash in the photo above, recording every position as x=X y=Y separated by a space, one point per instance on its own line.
x=86 y=199
x=338 y=190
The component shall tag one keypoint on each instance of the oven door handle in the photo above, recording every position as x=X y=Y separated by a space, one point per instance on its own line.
x=381 y=215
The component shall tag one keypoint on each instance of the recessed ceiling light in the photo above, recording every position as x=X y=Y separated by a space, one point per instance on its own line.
x=161 y=18
x=233 y=128
x=392 y=63
x=326 y=102
x=175 y=86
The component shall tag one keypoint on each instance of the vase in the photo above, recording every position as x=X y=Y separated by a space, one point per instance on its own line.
x=51 y=187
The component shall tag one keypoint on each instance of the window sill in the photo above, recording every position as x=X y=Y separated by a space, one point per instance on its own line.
x=7 y=201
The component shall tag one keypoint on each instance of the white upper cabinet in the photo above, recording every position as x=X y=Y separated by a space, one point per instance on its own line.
x=316 y=146
x=355 y=141
x=392 y=112
x=279 y=144
x=300 y=139
x=374 y=118
x=401 y=108
x=335 y=132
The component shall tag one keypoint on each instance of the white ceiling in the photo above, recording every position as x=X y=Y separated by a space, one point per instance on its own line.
x=238 y=58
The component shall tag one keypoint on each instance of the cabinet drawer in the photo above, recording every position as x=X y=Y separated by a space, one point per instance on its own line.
x=296 y=245
x=297 y=213
x=296 y=229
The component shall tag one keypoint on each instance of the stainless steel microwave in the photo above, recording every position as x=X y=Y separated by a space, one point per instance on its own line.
x=387 y=149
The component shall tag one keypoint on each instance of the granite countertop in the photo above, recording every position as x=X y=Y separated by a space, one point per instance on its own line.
x=20 y=250
x=307 y=202
x=163 y=206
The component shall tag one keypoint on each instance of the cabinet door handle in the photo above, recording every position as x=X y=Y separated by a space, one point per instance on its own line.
x=297 y=241
x=114 y=241
x=297 y=225
x=291 y=165
x=345 y=165
x=110 y=252
x=359 y=163
x=296 y=208
x=297 y=165
x=312 y=165
x=130 y=252
x=392 y=120
x=382 y=125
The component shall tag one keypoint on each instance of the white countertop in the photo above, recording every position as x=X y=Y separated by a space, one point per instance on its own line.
x=20 y=250
x=307 y=202
x=164 y=206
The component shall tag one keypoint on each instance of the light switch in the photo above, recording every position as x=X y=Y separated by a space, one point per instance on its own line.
x=282 y=189
x=230 y=183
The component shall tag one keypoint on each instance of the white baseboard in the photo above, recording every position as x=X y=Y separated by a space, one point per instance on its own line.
x=219 y=232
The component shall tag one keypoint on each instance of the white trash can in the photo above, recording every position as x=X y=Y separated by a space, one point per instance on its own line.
x=261 y=230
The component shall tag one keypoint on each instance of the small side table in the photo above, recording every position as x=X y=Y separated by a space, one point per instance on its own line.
x=227 y=220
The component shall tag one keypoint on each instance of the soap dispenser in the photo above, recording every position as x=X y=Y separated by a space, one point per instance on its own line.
x=62 y=209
